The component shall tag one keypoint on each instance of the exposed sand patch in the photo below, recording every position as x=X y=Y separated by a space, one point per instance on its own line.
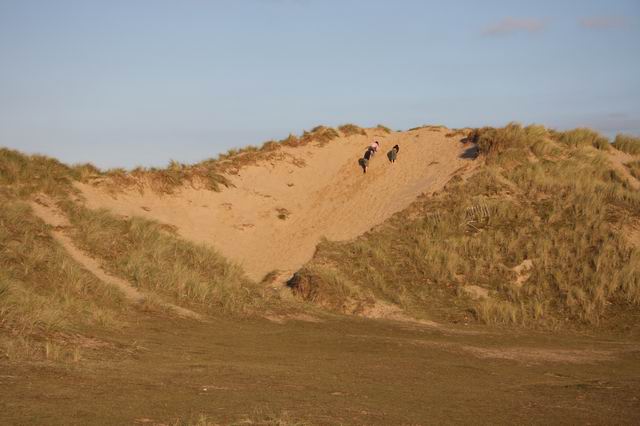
x=476 y=292
x=618 y=159
x=523 y=272
x=281 y=319
x=530 y=355
x=321 y=188
x=574 y=356
x=633 y=236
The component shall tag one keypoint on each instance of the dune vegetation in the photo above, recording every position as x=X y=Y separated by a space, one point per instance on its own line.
x=541 y=228
x=153 y=258
x=537 y=237
x=43 y=292
x=627 y=143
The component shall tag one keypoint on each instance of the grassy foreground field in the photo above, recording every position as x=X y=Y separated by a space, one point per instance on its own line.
x=340 y=371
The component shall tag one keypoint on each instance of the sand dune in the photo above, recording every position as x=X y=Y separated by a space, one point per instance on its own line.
x=320 y=189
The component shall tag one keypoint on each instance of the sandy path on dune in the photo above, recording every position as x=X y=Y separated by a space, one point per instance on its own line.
x=327 y=197
x=45 y=209
x=619 y=160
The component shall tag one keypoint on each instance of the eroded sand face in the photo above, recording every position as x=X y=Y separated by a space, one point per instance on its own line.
x=328 y=196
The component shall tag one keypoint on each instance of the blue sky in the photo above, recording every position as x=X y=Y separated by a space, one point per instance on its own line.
x=126 y=83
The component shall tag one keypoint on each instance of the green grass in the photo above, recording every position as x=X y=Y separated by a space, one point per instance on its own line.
x=627 y=143
x=557 y=204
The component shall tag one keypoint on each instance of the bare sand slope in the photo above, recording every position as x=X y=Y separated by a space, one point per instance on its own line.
x=328 y=196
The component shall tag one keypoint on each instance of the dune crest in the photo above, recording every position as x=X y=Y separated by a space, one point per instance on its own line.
x=280 y=209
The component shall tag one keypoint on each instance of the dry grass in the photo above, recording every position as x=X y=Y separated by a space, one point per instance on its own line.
x=582 y=137
x=322 y=135
x=627 y=143
x=432 y=127
x=210 y=174
x=456 y=133
x=351 y=129
x=511 y=142
x=86 y=172
x=557 y=204
x=167 y=180
x=328 y=288
x=383 y=128
x=22 y=175
x=634 y=169
x=42 y=290
x=141 y=252
x=260 y=416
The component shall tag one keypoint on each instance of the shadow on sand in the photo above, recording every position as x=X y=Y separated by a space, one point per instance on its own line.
x=470 y=153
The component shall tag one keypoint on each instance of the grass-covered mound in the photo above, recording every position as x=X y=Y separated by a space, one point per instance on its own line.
x=43 y=291
x=151 y=257
x=47 y=297
x=541 y=228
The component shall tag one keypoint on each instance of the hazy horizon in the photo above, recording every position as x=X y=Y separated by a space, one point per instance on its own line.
x=122 y=84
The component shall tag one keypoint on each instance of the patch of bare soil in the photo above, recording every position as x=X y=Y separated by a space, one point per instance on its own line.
x=537 y=355
x=476 y=292
x=283 y=318
x=523 y=272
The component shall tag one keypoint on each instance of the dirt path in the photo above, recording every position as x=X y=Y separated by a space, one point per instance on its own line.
x=319 y=191
x=45 y=209
x=618 y=159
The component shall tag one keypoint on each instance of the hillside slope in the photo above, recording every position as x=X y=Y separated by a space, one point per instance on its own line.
x=278 y=210
x=545 y=233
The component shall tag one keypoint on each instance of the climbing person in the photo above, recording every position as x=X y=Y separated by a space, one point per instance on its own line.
x=364 y=161
x=393 y=154
x=374 y=146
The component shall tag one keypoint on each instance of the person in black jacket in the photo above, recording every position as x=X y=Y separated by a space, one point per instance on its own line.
x=393 y=154
x=364 y=161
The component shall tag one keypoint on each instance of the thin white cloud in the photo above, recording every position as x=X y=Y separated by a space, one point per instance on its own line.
x=513 y=25
x=603 y=22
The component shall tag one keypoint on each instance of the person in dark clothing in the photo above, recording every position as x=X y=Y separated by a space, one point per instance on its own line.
x=364 y=161
x=393 y=154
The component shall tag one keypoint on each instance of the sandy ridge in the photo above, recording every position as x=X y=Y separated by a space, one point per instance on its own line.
x=322 y=189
